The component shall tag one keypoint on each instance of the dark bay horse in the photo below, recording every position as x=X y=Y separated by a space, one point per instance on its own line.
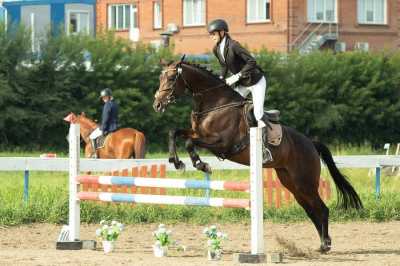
x=218 y=124
x=125 y=143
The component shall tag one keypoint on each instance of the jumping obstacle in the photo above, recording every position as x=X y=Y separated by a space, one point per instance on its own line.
x=70 y=235
x=163 y=183
x=143 y=171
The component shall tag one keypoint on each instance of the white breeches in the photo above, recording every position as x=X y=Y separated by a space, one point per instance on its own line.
x=258 y=95
x=96 y=133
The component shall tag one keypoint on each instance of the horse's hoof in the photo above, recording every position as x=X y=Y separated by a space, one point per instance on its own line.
x=171 y=160
x=181 y=166
x=207 y=169
x=324 y=248
x=204 y=167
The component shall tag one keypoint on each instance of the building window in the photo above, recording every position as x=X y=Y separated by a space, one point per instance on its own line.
x=321 y=10
x=194 y=12
x=157 y=15
x=258 y=11
x=372 y=11
x=78 y=22
x=122 y=17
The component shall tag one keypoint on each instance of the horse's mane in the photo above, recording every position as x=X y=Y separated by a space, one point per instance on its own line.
x=205 y=70
x=86 y=120
x=210 y=75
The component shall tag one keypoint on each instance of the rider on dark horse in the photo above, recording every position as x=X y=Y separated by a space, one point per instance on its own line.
x=109 y=119
x=218 y=124
x=246 y=76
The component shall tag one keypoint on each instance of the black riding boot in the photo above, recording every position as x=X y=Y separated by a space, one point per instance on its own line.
x=94 y=147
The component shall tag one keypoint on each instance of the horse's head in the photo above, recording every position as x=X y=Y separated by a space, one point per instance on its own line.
x=172 y=85
x=179 y=76
x=86 y=124
x=70 y=118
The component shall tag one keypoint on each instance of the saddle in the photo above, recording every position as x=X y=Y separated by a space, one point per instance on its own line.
x=100 y=141
x=274 y=127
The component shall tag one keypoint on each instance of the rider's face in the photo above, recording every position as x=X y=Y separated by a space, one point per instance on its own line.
x=215 y=36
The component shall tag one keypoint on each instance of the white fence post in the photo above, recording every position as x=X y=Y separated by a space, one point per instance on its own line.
x=256 y=254
x=74 y=208
x=256 y=192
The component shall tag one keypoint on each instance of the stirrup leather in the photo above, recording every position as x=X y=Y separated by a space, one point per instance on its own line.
x=267 y=156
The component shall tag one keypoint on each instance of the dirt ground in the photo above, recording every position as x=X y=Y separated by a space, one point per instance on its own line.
x=358 y=243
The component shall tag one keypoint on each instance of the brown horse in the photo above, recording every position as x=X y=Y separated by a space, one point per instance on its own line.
x=218 y=124
x=124 y=143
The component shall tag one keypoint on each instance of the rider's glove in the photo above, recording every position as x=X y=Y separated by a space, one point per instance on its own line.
x=233 y=79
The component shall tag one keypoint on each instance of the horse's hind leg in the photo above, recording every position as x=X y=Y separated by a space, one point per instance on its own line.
x=127 y=151
x=311 y=202
x=319 y=214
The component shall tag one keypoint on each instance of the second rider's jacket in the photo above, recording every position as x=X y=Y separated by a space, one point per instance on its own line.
x=109 y=117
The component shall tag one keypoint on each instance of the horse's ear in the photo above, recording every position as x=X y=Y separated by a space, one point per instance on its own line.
x=182 y=58
x=71 y=118
x=83 y=114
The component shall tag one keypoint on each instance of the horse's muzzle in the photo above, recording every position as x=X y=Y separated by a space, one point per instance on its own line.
x=158 y=107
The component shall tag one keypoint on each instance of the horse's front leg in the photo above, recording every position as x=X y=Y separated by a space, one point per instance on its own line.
x=195 y=158
x=173 y=155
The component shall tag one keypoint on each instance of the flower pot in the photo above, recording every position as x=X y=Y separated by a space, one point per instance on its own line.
x=160 y=251
x=108 y=246
x=214 y=254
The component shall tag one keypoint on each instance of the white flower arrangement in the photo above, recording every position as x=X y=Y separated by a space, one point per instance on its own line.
x=214 y=242
x=162 y=236
x=109 y=231
x=164 y=240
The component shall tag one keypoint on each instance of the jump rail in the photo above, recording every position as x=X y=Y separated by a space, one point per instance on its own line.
x=70 y=235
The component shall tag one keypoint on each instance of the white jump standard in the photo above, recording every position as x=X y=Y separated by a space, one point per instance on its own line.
x=70 y=235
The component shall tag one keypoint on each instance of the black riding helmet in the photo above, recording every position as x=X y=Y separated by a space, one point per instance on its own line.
x=217 y=25
x=105 y=92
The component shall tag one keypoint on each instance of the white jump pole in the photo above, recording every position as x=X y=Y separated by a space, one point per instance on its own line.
x=256 y=254
x=69 y=238
x=74 y=209
x=256 y=192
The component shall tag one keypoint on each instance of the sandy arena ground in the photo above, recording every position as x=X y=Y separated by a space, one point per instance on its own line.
x=357 y=243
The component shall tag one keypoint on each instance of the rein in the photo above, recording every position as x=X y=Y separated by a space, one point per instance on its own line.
x=217 y=108
x=196 y=94
x=199 y=94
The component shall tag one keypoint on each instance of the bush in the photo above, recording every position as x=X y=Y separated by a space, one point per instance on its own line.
x=347 y=98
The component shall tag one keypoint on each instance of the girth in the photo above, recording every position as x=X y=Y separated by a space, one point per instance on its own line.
x=237 y=147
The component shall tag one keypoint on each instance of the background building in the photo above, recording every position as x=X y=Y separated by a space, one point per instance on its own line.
x=73 y=16
x=280 y=25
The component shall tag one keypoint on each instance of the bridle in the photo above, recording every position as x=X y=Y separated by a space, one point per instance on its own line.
x=179 y=73
x=171 y=98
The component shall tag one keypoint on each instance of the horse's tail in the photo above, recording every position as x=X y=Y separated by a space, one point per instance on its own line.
x=347 y=196
x=140 y=145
